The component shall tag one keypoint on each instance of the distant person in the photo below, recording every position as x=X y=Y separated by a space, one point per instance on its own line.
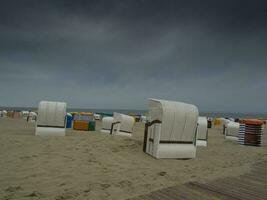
x=28 y=117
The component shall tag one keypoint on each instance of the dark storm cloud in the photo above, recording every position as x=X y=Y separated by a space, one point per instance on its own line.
x=115 y=54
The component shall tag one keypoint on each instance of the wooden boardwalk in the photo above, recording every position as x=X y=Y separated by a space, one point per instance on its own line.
x=252 y=185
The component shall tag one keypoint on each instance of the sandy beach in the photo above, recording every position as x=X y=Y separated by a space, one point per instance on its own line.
x=93 y=165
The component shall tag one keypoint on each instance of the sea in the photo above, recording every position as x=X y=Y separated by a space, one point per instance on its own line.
x=144 y=112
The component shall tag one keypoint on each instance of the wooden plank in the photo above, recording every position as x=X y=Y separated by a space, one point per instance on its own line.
x=241 y=183
x=173 y=195
x=256 y=178
x=208 y=193
x=245 y=187
x=167 y=196
x=188 y=193
x=236 y=190
x=251 y=181
x=177 y=193
x=248 y=183
x=215 y=190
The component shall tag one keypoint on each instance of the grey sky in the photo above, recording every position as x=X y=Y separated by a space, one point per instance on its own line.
x=116 y=54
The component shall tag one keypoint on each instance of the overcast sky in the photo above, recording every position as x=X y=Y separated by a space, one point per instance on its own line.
x=116 y=54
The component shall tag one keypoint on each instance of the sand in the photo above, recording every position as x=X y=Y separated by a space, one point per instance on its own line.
x=93 y=165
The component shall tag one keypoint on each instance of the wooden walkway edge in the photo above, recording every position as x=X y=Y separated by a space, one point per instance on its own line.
x=252 y=185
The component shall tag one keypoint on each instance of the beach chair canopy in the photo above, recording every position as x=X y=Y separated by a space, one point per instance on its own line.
x=51 y=114
x=25 y=113
x=231 y=129
x=171 y=129
x=126 y=122
x=106 y=123
x=202 y=128
x=32 y=114
x=179 y=120
x=3 y=113
x=143 y=118
x=97 y=116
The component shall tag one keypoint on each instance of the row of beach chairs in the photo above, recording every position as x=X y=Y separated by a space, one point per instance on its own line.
x=174 y=129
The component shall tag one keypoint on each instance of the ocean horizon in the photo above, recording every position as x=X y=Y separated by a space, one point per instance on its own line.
x=143 y=112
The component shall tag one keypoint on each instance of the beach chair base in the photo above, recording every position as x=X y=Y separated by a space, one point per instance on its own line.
x=49 y=131
x=179 y=151
x=233 y=138
x=202 y=143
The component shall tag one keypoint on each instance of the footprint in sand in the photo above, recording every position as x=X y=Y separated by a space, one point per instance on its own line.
x=162 y=173
x=105 y=186
x=87 y=190
x=13 y=189
x=25 y=157
x=67 y=195
x=124 y=183
x=33 y=194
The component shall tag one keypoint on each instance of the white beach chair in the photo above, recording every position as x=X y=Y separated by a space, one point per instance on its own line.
x=4 y=113
x=231 y=130
x=51 y=120
x=171 y=131
x=25 y=114
x=106 y=124
x=122 y=125
x=202 y=131
x=32 y=116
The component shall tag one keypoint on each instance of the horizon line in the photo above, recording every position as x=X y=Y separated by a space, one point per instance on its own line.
x=205 y=111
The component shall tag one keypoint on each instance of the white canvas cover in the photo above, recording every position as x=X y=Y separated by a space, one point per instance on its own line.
x=97 y=116
x=3 y=113
x=123 y=124
x=51 y=118
x=25 y=114
x=231 y=130
x=143 y=119
x=202 y=131
x=32 y=116
x=106 y=124
x=175 y=136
